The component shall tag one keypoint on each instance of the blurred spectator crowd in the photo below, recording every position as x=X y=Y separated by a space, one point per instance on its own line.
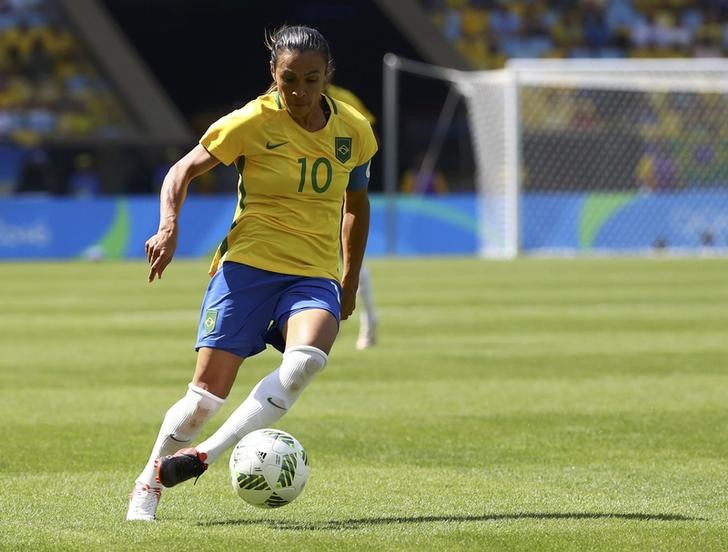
x=62 y=124
x=488 y=32
x=49 y=87
x=83 y=170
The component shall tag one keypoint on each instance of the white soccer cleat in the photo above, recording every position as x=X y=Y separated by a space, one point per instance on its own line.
x=143 y=502
x=367 y=337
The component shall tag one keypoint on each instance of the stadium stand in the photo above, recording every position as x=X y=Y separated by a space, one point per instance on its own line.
x=71 y=87
x=60 y=109
x=49 y=87
x=488 y=32
x=675 y=136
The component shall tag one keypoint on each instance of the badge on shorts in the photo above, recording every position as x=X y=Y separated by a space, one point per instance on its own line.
x=342 y=145
x=210 y=321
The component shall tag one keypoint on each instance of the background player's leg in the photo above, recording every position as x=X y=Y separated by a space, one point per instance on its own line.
x=367 y=312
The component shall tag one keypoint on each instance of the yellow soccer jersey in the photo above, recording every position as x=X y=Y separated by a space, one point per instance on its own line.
x=291 y=186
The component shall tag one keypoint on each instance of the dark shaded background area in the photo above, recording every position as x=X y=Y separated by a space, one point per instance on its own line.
x=209 y=55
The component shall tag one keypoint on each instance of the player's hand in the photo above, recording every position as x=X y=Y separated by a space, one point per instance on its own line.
x=348 y=298
x=160 y=249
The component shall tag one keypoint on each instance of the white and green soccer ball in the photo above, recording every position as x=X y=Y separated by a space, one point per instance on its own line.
x=268 y=468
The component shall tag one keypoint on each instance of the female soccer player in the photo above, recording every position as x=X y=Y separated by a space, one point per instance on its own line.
x=276 y=277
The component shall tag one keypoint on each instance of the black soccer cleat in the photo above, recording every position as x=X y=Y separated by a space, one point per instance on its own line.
x=180 y=466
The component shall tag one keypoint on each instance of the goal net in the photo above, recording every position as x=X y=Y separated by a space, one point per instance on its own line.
x=600 y=156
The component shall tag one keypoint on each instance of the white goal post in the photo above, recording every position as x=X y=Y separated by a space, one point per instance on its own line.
x=590 y=156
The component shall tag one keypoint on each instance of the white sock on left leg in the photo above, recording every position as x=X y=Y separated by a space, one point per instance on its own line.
x=269 y=400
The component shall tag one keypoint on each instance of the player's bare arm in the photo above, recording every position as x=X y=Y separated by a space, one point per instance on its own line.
x=354 y=232
x=161 y=246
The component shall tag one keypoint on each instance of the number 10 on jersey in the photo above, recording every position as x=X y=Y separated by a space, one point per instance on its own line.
x=320 y=178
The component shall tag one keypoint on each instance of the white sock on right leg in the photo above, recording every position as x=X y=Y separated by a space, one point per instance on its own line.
x=182 y=423
x=268 y=401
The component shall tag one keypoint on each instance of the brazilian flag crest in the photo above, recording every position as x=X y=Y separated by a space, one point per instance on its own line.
x=342 y=145
x=210 y=321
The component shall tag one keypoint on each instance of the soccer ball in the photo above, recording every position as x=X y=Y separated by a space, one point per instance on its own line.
x=268 y=468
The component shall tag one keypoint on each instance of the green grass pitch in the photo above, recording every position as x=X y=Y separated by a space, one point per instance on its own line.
x=528 y=405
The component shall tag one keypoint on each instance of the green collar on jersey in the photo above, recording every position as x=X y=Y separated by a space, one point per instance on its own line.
x=333 y=104
x=330 y=100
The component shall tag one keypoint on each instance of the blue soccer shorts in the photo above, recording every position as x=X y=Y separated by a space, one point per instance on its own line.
x=246 y=308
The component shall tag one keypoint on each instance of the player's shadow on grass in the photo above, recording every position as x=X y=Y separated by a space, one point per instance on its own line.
x=337 y=525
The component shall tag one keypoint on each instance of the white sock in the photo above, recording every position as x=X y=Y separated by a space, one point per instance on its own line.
x=268 y=401
x=365 y=302
x=182 y=423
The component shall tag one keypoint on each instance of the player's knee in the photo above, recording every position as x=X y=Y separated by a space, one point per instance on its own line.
x=300 y=365
x=200 y=405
